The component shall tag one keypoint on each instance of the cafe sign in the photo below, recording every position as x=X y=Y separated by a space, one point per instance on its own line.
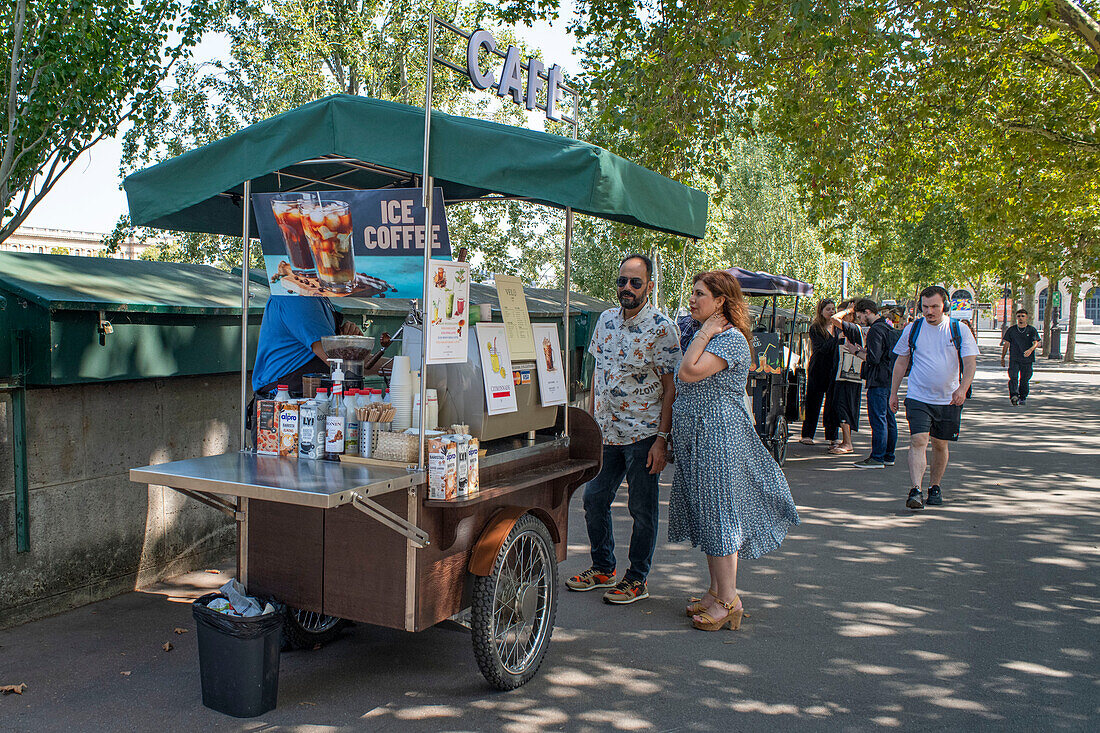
x=512 y=77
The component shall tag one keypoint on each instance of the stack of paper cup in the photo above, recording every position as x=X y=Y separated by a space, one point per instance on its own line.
x=431 y=420
x=401 y=392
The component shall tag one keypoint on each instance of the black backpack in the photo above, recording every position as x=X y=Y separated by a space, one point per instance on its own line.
x=956 y=338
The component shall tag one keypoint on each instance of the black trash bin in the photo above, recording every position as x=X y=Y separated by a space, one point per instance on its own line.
x=238 y=659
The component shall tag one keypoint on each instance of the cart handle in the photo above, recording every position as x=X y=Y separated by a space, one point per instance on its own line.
x=398 y=524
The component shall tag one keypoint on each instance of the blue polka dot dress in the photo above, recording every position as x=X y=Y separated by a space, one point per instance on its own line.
x=728 y=493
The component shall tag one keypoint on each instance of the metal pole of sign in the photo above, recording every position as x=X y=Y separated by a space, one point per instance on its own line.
x=245 y=217
x=568 y=277
x=426 y=180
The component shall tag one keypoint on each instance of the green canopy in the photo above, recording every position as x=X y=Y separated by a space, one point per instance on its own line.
x=343 y=142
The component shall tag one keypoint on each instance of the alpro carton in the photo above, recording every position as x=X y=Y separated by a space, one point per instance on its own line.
x=442 y=468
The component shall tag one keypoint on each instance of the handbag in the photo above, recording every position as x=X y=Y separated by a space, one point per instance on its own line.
x=849 y=366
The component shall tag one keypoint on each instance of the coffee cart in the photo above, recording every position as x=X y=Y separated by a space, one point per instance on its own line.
x=348 y=540
x=778 y=388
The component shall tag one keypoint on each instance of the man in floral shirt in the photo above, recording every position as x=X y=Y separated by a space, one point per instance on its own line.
x=637 y=352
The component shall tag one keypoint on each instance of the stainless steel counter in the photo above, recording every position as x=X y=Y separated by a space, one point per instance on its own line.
x=323 y=484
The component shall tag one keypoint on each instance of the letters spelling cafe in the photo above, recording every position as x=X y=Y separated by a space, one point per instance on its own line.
x=445 y=499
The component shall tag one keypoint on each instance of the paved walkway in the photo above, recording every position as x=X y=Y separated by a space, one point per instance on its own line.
x=979 y=615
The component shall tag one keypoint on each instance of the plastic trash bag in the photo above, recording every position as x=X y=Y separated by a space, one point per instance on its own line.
x=238 y=627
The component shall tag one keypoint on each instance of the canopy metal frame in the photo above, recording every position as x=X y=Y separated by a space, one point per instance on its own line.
x=433 y=58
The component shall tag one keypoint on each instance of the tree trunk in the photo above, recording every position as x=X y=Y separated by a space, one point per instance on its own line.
x=1071 y=335
x=1048 y=312
x=875 y=292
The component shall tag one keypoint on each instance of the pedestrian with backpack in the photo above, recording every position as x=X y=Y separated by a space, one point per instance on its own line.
x=944 y=358
x=878 y=364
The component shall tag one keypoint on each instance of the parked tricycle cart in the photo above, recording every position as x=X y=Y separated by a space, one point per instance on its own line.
x=777 y=382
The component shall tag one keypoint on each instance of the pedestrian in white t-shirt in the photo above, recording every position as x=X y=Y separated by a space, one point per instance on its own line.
x=944 y=357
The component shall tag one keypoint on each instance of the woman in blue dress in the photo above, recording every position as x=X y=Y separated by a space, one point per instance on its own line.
x=729 y=497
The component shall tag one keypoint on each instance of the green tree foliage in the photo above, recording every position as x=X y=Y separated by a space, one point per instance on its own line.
x=73 y=73
x=885 y=109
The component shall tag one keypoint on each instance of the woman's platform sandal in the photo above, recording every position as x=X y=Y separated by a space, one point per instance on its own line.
x=733 y=618
x=697 y=606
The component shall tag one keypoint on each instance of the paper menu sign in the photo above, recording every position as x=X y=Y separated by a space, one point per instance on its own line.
x=513 y=307
x=548 y=362
x=448 y=311
x=496 y=368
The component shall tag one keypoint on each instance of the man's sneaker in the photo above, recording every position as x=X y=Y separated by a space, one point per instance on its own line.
x=869 y=462
x=1022 y=402
x=1014 y=400
x=627 y=591
x=591 y=579
x=935 y=498
x=915 y=501
x=888 y=462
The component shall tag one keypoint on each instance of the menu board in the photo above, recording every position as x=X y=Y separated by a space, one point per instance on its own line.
x=550 y=368
x=767 y=353
x=513 y=307
x=496 y=368
x=358 y=244
x=448 y=311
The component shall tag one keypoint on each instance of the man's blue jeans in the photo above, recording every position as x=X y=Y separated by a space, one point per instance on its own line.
x=884 y=428
x=619 y=461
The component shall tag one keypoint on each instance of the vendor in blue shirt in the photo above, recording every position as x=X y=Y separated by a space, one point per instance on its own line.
x=290 y=341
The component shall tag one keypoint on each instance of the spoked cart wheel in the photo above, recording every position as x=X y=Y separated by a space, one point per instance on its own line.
x=779 y=440
x=306 y=629
x=514 y=606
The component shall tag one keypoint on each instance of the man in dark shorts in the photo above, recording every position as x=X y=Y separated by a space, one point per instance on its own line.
x=941 y=374
x=1020 y=342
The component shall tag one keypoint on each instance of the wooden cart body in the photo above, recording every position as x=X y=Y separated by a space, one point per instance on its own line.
x=328 y=556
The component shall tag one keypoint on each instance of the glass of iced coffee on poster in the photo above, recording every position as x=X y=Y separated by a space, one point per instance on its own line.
x=548 y=353
x=288 y=215
x=327 y=225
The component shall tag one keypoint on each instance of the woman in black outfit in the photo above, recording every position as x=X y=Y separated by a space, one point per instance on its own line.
x=822 y=371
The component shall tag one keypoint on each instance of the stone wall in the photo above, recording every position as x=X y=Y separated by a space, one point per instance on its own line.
x=93 y=533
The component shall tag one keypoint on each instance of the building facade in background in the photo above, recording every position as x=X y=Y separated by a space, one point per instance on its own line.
x=38 y=240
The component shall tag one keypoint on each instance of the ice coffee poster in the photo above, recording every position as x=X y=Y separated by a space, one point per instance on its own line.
x=448 y=311
x=362 y=244
x=548 y=363
x=513 y=309
x=496 y=368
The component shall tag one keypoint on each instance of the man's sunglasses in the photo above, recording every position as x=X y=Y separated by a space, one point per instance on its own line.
x=635 y=282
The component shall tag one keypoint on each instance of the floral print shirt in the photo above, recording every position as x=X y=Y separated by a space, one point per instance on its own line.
x=631 y=355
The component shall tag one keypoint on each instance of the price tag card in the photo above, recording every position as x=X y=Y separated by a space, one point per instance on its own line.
x=549 y=364
x=496 y=368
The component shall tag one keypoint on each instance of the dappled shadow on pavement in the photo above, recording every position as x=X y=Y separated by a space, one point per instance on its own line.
x=980 y=614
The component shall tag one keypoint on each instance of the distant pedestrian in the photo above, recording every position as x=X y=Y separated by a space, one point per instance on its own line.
x=878 y=365
x=847 y=391
x=1020 y=342
x=944 y=357
x=729 y=496
x=637 y=352
x=821 y=371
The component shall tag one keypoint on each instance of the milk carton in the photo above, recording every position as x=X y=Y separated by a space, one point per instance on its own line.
x=310 y=441
x=267 y=427
x=462 y=464
x=473 y=479
x=288 y=429
x=442 y=468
